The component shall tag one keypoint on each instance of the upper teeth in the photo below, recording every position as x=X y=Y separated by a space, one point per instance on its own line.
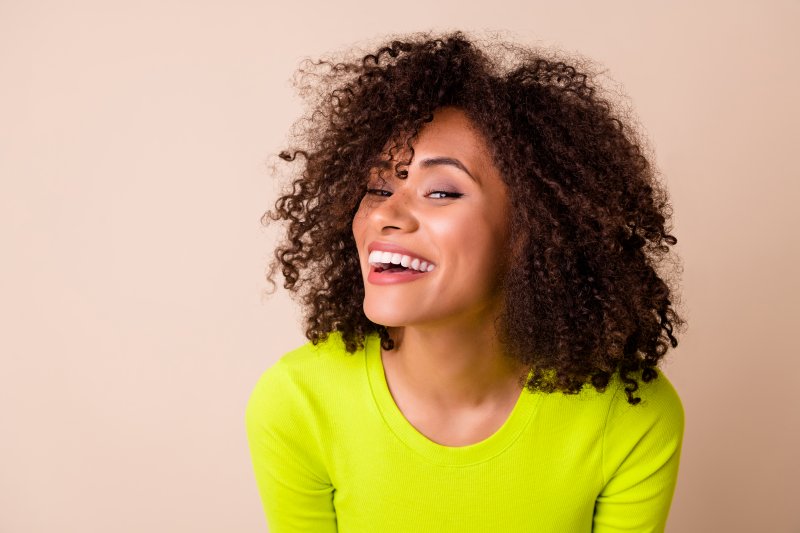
x=376 y=257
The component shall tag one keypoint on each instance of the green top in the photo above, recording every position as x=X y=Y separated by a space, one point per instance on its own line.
x=332 y=452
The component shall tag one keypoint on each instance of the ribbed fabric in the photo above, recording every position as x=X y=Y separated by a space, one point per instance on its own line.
x=332 y=452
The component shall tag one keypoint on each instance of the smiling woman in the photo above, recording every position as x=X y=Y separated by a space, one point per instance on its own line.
x=475 y=241
x=434 y=212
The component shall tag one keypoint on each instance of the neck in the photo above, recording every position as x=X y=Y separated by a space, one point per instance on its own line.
x=454 y=367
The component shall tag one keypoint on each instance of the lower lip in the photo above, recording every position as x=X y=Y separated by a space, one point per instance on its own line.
x=389 y=278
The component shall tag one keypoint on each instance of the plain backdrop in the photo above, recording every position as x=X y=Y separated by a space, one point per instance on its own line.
x=135 y=146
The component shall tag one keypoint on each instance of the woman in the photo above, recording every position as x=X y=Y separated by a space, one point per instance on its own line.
x=475 y=244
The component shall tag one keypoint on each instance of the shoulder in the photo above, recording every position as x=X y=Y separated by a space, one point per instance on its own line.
x=318 y=363
x=659 y=402
x=596 y=414
x=653 y=428
x=287 y=416
x=306 y=372
x=331 y=348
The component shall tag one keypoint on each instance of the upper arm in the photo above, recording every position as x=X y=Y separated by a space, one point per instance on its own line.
x=641 y=455
x=295 y=490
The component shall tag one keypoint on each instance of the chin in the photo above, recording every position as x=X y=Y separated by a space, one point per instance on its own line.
x=389 y=320
x=387 y=316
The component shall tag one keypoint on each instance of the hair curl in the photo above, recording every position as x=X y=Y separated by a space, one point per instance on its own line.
x=584 y=300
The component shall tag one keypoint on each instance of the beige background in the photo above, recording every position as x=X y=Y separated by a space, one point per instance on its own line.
x=135 y=139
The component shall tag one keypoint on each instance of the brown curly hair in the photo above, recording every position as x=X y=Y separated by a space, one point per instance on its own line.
x=584 y=300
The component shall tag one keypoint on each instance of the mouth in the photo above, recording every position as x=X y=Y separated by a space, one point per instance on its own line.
x=394 y=267
x=391 y=268
x=389 y=273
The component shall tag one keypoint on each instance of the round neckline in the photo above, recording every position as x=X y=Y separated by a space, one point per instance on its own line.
x=437 y=453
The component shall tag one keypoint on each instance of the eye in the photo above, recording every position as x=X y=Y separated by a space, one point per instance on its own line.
x=443 y=194
x=447 y=194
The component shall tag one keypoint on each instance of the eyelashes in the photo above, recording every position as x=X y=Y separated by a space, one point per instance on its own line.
x=446 y=194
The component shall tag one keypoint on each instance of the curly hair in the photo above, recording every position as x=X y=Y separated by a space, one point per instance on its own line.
x=585 y=299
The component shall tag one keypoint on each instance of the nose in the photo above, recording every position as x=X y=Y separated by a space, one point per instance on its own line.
x=395 y=211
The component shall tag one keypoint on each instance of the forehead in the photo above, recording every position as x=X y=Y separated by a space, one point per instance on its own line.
x=453 y=131
x=450 y=134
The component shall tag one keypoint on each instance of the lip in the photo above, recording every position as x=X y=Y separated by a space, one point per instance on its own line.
x=395 y=248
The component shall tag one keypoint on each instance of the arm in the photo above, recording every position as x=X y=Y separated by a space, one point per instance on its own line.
x=641 y=454
x=295 y=490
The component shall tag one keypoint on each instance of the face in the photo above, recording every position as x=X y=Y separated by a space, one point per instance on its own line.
x=455 y=218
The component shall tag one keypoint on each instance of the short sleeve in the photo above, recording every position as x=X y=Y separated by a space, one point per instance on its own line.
x=641 y=455
x=295 y=490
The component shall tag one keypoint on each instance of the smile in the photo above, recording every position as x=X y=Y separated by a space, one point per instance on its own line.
x=393 y=262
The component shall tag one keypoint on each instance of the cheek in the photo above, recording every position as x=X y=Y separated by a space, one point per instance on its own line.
x=463 y=231
x=359 y=220
x=467 y=244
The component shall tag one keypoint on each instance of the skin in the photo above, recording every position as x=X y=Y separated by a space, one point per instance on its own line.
x=447 y=373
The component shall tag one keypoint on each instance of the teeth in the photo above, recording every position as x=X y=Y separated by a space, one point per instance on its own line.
x=377 y=257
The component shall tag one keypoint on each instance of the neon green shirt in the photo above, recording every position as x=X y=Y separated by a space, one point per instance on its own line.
x=332 y=452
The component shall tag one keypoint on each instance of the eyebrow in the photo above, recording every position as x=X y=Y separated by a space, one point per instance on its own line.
x=434 y=161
